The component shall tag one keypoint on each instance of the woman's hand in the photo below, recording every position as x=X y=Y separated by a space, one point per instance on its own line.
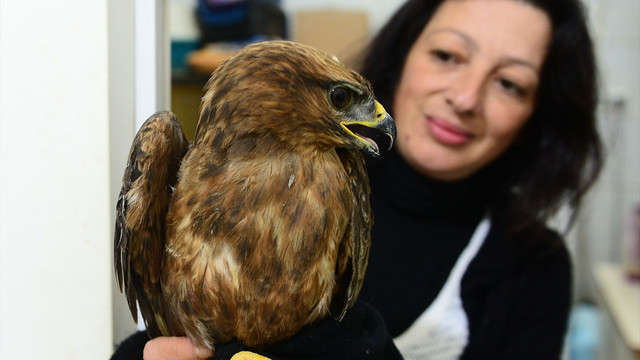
x=174 y=348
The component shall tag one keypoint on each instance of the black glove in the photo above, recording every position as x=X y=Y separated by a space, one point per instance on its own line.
x=361 y=335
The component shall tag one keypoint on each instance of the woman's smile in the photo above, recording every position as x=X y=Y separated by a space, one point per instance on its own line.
x=446 y=132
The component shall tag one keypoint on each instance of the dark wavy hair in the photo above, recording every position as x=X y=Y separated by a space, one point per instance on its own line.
x=558 y=154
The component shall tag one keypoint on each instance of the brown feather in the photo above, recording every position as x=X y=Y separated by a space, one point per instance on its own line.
x=268 y=227
x=148 y=182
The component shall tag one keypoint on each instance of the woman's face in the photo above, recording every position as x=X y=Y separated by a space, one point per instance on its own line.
x=469 y=85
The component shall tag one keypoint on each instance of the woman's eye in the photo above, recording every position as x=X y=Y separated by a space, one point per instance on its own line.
x=512 y=87
x=341 y=97
x=443 y=56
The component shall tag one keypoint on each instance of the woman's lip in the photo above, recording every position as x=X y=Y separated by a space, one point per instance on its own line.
x=447 y=133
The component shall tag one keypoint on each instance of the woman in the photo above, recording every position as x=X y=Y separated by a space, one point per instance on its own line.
x=494 y=103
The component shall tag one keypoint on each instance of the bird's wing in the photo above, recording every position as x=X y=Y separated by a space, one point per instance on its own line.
x=139 y=239
x=354 y=250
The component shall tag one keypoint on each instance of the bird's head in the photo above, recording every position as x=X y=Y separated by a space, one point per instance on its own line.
x=296 y=95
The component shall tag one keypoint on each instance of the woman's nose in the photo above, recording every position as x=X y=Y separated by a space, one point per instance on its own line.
x=466 y=92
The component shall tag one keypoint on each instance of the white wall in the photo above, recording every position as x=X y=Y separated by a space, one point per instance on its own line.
x=601 y=228
x=122 y=110
x=55 y=222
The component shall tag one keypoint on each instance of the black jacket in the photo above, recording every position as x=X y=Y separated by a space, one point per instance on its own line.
x=516 y=292
x=517 y=298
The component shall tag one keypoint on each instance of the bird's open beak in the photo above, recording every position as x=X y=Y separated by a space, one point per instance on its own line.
x=373 y=134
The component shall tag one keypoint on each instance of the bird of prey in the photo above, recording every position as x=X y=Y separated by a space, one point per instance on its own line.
x=262 y=225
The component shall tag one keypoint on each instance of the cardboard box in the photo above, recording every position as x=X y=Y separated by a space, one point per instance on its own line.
x=341 y=33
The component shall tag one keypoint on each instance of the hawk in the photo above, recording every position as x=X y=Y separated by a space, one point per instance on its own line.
x=262 y=225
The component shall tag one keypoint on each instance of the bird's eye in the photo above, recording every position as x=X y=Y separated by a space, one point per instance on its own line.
x=341 y=97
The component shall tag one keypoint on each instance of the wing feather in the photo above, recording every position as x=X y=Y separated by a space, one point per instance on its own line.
x=351 y=262
x=147 y=187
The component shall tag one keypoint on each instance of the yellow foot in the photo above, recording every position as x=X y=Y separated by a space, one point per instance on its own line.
x=248 y=355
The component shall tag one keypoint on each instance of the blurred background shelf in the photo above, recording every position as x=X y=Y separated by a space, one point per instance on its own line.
x=619 y=298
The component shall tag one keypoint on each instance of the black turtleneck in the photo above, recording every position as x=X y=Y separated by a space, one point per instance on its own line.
x=420 y=228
